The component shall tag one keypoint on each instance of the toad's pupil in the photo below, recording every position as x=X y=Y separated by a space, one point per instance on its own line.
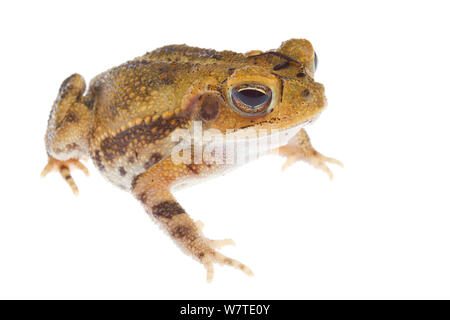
x=251 y=97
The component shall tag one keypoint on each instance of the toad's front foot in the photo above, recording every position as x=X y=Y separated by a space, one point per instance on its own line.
x=64 y=168
x=300 y=148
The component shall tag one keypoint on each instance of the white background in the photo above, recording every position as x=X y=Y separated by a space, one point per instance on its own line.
x=379 y=230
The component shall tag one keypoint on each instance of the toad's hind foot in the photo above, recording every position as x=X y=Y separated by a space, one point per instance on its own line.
x=64 y=168
x=189 y=235
x=216 y=244
x=212 y=256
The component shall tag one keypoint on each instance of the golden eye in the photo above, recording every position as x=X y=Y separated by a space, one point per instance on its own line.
x=251 y=99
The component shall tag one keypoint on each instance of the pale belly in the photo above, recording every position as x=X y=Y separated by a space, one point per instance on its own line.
x=237 y=149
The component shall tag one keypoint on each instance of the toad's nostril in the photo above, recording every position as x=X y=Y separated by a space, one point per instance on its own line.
x=306 y=93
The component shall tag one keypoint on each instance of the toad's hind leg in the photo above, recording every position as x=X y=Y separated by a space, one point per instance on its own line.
x=152 y=189
x=64 y=168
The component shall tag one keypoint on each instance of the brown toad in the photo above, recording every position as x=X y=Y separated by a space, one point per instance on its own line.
x=129 y=123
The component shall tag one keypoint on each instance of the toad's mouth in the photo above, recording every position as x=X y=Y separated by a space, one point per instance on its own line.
x=298 y=125
x=267 y=139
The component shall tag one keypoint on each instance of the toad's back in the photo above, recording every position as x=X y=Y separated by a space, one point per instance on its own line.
x=139 y=103
x=155 y=83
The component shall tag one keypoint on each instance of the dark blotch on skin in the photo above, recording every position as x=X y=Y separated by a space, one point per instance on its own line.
x=193 y=168
x=154 y=158
x=180 y=232
x=134 y=182
x=72 y=146
x=71 y=117
x=167 y=209
x=98 y=160
x=184 y=232
x=88 y=101
x=305 y=93
x=148 y=165
x=118 y=145
x=122 y=171
x=143 y=197
x=166 y=76
x=209 y=107
x=66 y=172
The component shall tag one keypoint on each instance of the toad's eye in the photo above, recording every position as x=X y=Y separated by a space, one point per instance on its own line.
x=316 y=61
x=251 y=99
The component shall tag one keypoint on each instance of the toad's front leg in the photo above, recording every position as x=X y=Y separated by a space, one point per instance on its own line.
x=300 y=148
x=152 y=188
